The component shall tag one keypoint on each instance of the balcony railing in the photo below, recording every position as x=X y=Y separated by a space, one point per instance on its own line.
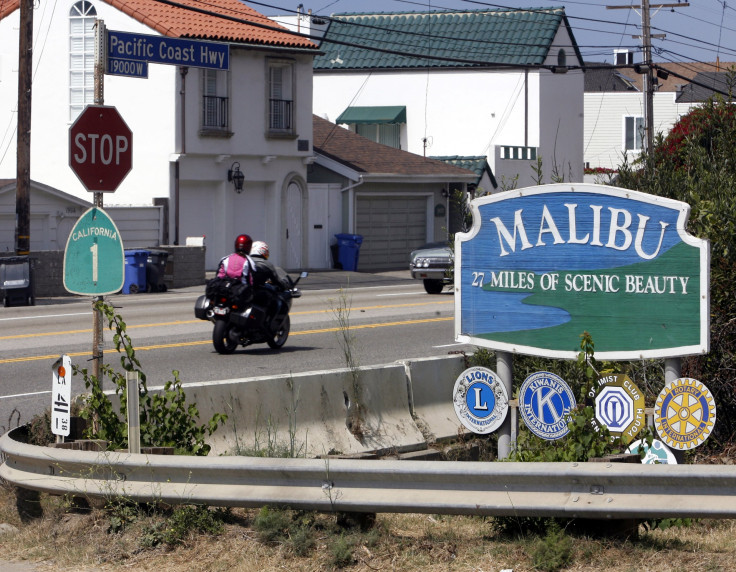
x=280 y=118
x=215 y=112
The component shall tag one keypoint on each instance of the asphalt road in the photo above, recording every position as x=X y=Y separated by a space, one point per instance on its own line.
x=390 y=317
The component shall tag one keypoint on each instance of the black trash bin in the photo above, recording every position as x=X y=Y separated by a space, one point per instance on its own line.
x=348 y=248
x=16 y=280
x=155 y=270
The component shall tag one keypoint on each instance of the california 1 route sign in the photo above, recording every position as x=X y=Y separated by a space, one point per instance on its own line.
x=542 y=265
x=94 y=258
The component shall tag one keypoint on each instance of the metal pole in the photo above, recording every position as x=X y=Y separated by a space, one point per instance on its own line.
x=134 y=416
x=504 y=369
x=97 y=342
x=672 y=371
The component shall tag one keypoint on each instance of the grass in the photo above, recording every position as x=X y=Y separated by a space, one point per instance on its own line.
x=271 y=539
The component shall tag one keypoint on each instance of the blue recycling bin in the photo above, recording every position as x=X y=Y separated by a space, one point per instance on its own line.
x=348 y=249
x=135 y=271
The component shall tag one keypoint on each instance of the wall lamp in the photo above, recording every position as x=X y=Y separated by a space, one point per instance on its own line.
x=236 y=177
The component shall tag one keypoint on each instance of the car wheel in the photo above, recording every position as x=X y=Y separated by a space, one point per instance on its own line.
x=433 y=286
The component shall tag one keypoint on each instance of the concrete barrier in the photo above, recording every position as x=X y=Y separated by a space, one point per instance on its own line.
x=394 y=407
x=430 y=383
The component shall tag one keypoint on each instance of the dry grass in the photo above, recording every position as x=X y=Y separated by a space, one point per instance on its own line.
x=64 y=540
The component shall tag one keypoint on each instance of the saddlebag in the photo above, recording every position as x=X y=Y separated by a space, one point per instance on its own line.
x=252 y=318
x=201 y=306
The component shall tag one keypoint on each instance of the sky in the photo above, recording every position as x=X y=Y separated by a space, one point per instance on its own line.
x=703 y=31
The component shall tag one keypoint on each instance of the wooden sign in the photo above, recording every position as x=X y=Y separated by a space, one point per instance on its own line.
x=542 y=265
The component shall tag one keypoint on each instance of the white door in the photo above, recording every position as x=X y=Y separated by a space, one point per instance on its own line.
x=318 y=227
x=293 y=206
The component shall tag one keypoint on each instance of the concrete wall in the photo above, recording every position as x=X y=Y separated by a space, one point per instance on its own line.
x=400 y=406
x=184 y=267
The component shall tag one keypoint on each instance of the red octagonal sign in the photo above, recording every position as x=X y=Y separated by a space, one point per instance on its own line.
x=100 y=148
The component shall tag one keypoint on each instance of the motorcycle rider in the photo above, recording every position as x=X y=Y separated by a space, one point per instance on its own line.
x=268 y=280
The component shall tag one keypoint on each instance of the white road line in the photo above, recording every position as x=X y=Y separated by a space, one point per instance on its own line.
x=24 y=394
x=46 y=316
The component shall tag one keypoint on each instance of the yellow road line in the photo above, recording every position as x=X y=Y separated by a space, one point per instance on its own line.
x=205 y=342
x=181 y=322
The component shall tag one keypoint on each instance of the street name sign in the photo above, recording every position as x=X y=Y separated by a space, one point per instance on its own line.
x=542 y=265
x=127 y=68
x=94 y=259
x=100 y=148
x=165 y=50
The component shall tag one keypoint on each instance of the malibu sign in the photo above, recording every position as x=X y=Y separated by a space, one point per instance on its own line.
x=542 y=265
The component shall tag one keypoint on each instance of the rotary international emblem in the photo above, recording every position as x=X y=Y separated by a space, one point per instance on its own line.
x=480 y=399
x=684 y=413
x=545 y=402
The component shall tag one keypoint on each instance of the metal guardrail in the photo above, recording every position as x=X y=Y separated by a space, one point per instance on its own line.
x=587 y=490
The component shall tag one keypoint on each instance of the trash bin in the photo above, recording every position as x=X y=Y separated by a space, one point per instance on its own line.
x=16 y=280
x=155 y=269
x=135 y=271
x=348 y=248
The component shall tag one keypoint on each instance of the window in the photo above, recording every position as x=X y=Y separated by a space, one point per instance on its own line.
x=81 y=57
x=215 y=100
x=280 y=96
x=384 y=133
x=633 y=133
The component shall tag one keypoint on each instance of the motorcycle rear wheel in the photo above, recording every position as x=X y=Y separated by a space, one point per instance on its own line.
x=221 y=338
x=279 y=338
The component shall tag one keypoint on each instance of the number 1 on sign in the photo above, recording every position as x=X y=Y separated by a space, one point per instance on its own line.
x=93 y=249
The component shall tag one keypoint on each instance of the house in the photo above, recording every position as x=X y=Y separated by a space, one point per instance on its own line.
x=614 y=106
x=472 y=83
x=395 y=200
x=193 y=128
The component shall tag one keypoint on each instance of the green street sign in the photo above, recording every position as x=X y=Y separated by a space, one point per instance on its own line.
x=94 y=260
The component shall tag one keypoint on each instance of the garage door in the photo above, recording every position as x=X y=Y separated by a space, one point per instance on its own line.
x=391 y=228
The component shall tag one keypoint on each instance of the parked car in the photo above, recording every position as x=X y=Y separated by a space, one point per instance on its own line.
x=432 y=263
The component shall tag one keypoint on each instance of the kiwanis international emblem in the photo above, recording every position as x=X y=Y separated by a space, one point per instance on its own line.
x=545 y=402
x=480 y=399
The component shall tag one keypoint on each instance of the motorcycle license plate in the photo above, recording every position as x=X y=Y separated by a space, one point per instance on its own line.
x=220 y=311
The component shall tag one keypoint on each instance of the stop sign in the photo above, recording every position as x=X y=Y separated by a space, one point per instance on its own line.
x=100 y=148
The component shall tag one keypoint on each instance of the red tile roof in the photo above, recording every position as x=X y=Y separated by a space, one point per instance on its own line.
x=194 y=19
x=366 y=156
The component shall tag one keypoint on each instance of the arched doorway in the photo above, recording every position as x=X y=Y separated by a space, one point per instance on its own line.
x=293 y=219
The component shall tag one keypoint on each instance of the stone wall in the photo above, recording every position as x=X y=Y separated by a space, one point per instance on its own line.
x=184 y=267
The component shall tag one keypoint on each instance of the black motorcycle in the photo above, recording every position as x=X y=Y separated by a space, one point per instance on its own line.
x=245 y=316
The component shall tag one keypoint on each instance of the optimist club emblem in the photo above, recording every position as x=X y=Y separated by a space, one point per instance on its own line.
x=480 y=400
x=684 y=414
x=545 y=402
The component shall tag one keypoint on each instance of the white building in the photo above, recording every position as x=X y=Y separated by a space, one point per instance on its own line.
x=191 y=126
x=476 y=83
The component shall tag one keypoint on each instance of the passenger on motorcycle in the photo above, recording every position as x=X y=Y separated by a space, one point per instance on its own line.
x=238 y=265
x=268 y=280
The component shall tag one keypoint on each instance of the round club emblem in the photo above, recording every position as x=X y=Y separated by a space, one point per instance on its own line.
x=619 y=406
x=545 y=402
x=684 y=413
x=657 y=454
x=480 y=400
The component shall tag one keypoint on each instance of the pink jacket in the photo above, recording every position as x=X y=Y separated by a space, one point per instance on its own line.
x=237 y=266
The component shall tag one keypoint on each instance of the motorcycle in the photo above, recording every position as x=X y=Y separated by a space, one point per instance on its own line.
x=243 y=318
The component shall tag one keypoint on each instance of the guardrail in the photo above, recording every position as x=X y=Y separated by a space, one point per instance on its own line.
x=587 y=490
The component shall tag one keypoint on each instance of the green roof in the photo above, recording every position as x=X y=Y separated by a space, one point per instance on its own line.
x=477 y=164
x=443 y=39
x=374 y=114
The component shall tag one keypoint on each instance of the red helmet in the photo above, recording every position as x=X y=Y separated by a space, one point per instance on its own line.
x=243 y=243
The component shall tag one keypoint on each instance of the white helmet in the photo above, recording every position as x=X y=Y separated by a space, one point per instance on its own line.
x=259 y=248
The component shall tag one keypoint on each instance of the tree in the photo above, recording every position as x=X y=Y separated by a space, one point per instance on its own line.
x=696 y=164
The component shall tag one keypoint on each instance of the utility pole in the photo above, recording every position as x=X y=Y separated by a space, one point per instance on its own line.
x=647 y=65
x=23 y=139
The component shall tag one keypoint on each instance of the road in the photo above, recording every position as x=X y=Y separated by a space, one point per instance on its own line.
x=392 y=321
